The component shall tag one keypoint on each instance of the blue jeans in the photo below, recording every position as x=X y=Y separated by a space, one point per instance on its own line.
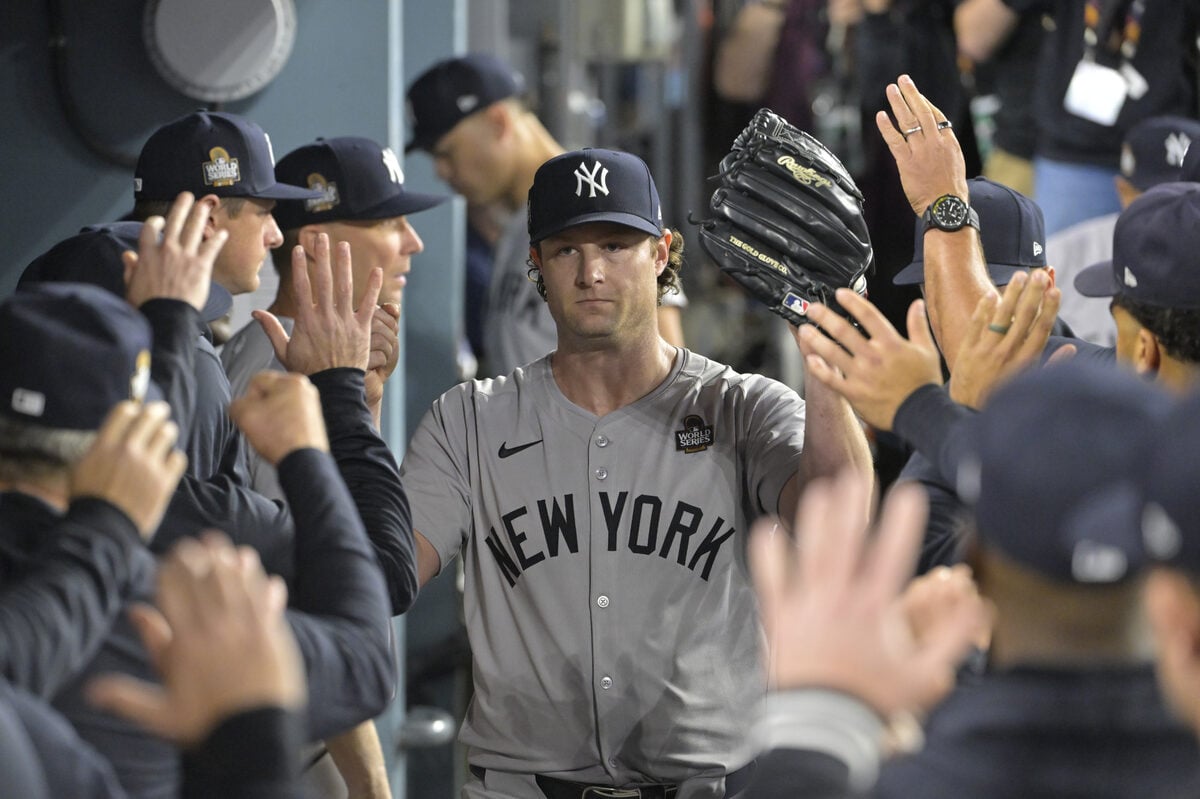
x=1070 y=193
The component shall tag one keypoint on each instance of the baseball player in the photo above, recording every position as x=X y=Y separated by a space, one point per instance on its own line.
x=600 y=498
x=363 y=201
x=468 y=115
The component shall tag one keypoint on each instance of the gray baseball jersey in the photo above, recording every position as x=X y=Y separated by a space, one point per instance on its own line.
x=518 y=328
x=611 y=620
x=246 y=354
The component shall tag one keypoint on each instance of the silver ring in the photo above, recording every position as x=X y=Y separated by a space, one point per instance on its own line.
x=911 y=131
x=1001 y=329
x=945 y=124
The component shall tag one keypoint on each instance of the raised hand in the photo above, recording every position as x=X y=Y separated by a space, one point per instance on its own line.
x=174 y=260
x=874 y=374
x=329 y=331
x=133 y=463
x=1004 y=336
x=831 y=603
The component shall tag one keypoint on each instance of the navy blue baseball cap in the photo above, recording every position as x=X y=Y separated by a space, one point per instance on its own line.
x=593 y=186
x=1053 y=469
x=1154 y=149
x=1191 y=165
x=208 y=152
x=352 y=178
x=69 y=352
x=1011 y=229
x=452 y=90
x=1170 y=522
x=93 y=255
x=1156 y=244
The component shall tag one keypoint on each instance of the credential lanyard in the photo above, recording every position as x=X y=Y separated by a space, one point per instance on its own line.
x=1131 y=32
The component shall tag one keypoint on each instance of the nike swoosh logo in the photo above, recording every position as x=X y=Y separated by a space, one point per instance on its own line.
x=505 y=451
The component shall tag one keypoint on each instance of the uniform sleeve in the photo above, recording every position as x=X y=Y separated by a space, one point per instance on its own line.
x=173 y=361
x=936 y=425
x=945 y=525
x=215 y=445
x=774 y=421
x=373 y=478
x=436 y=476
x=54 y=619
x=251 y=755
x=338 y=605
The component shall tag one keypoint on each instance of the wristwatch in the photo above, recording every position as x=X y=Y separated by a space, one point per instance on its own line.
x=951 y=213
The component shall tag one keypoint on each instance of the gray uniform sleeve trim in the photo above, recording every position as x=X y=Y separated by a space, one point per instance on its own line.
x=826 y=721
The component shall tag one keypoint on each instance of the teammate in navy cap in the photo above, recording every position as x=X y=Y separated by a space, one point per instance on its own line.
x=1154 y=282
x=226 y=161
x=469 y=115
x=600 y=497
x=1153 y=152
x=360 y=199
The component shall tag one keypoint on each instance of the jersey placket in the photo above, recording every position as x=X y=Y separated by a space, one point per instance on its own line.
x=607 y=685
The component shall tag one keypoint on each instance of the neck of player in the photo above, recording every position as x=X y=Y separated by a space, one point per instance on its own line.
x=604 y=380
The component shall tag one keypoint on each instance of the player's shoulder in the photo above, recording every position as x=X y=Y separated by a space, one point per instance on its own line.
x=490 y=390
x=715 y=375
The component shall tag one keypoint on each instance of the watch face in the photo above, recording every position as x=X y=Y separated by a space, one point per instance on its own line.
x=949 y=212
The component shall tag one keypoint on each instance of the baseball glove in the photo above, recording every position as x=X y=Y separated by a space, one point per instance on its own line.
x=787 y=220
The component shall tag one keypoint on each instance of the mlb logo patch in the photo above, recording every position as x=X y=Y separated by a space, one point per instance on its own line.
x=796 y=303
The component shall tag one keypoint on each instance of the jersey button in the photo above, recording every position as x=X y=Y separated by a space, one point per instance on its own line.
x=601 y=473
x=602 y=601
x=602 y=440
x=606 y=683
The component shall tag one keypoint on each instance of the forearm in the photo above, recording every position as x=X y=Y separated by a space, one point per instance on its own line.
x=955 y=280
x=175 y=325
x=833 y=436
x=982 y=26
x=935 y=425
x=373 y=479
x=251 y=755
x=338 y=603
x=359 y=759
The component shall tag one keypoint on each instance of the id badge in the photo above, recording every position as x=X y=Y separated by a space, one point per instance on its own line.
x=1096 y=93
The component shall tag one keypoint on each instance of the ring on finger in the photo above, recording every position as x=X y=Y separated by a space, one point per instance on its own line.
x=912 y=130
x=1001 y=329
x=945 y=124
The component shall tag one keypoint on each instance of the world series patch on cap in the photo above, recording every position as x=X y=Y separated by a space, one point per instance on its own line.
x=69 y=352
x=593 y=185
x=208 y=152
x=351 y=178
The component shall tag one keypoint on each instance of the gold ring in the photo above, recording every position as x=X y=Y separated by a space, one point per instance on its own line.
x=1001 y=329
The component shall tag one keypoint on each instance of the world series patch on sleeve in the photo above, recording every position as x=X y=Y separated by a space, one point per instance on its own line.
x=787 y=220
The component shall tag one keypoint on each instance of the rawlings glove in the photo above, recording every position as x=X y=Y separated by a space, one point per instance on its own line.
x=787 y=221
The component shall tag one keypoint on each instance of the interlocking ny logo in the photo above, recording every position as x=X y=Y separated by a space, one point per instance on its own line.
x=582 y=175
x=393 y=165
x=1177 y=146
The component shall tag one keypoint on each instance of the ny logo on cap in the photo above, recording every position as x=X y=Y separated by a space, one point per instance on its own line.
x=393 y=165
x=582 y=175
x=1177 y=146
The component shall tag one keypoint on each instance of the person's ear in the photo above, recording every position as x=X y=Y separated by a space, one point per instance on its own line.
x=662 y=251
x=214 y=204
x=1147 y=353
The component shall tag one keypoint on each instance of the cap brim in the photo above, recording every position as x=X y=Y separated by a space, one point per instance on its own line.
x=1097 y=281
x=628 y=220
x=409 y=202
x=283 y=191
x=999 y=274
